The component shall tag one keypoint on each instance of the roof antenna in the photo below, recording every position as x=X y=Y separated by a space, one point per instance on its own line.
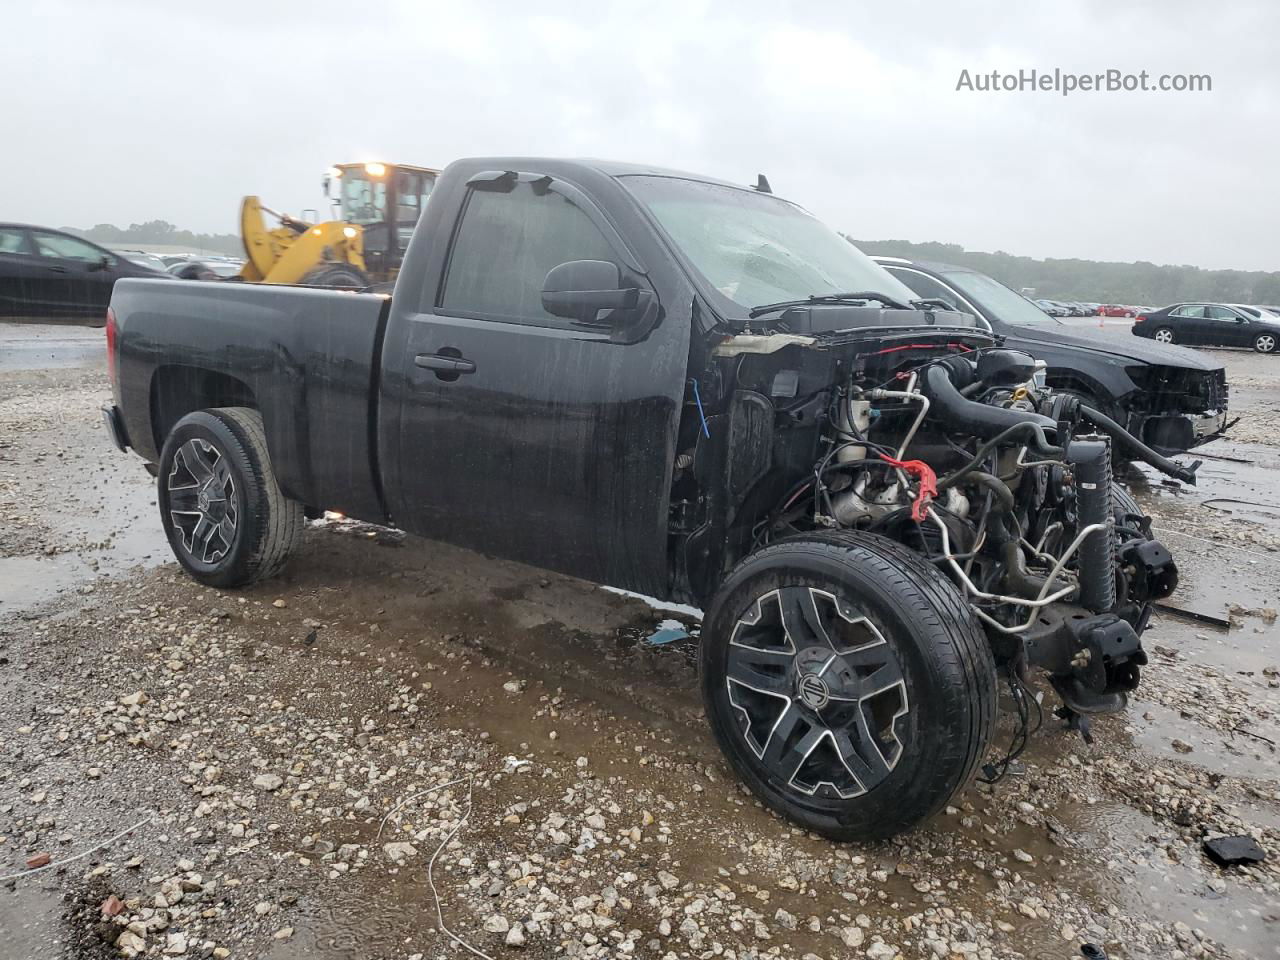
x=762 y=184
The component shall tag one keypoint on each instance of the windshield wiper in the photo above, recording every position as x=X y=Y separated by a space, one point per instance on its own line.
x=935 y=303
x=828 y=298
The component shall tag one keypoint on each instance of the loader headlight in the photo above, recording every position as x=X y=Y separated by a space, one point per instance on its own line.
x=375 y=169
x=335 y=172
x=349 y=232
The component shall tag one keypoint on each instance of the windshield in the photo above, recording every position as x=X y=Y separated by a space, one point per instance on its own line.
x=363 y=201
x=997 y=299
x=754 y=248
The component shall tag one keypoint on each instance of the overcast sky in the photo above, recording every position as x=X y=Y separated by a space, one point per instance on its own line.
x=130 y=111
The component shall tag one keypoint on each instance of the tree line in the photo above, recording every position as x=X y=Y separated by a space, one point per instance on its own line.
x=1089 y=280
x=1140 y=283
x=160 y=232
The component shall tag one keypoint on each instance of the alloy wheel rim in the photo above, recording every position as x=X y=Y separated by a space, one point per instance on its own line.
x=817 y=692
x=1266 y=343
x=202 y=501
x=1164 y=336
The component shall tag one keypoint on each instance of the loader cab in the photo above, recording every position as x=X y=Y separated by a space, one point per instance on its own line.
x=385 y=200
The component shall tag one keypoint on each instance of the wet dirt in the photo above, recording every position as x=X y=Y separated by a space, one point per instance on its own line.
x=1110 y=833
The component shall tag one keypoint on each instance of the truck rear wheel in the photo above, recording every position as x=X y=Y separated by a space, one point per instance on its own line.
x=847 y=683
x=226 y=519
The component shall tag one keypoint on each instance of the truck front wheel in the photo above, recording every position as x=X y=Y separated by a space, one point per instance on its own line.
x=847 y=683
x=224 y=514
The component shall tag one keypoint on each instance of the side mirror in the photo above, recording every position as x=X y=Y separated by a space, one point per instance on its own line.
x=102 y=263
x=580 y=289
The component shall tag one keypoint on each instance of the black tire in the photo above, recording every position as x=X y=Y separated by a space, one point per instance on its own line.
x=1266 y=342
x=1125 y=503
x=877 y=594
x=227 y=521
x=1169 y=336
x=340 y=275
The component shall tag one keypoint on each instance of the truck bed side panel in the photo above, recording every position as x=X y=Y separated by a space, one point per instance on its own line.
x=306 y=357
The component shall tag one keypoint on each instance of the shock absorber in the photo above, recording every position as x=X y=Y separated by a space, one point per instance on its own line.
x=1091 y=463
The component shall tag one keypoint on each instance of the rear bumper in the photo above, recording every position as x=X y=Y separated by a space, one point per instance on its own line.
x=114 y=424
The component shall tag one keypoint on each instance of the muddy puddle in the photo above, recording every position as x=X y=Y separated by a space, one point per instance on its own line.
x=1128 y=860
x=1177 y=734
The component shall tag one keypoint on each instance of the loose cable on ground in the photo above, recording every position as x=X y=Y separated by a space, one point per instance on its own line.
x=408 y=800
x=79 y=856
x=432 y=883
x=1218 y=543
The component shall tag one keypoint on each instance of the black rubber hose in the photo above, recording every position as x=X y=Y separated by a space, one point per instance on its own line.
x=1018 y=580
x=995 y=485
x=975 y=419
x=980 y=458
x=1127 y=442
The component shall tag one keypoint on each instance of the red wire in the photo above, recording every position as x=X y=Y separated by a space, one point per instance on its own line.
x=928 y=483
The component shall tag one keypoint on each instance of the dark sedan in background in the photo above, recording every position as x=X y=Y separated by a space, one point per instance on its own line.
x=1211 y=325
x=47 y=273
x=1172 y=399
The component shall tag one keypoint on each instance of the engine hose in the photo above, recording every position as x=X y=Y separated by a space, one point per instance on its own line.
x=1127 y=442
x=1018 y=580
x=995 y=485
x=978 y=419
x=1091 y=460
x=980 y=458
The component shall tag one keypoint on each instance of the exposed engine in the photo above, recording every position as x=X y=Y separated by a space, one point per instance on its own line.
x=963 y=455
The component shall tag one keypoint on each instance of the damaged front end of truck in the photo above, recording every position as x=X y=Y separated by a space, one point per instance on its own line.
x=863 y=490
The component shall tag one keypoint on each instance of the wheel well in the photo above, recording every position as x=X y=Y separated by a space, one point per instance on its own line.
x=177 y=390
x=1074 y=385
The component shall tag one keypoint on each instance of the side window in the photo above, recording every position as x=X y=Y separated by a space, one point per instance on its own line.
x=13 y=241
x=66 y=248
x=505 y=246
x=1220 y=313
x=1196 y=311
x=412 y=190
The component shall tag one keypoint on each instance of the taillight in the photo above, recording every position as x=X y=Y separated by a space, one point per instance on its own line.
x=111 y=346
x=1139 y=318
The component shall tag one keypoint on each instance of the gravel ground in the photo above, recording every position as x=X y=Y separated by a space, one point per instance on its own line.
x=399 y=747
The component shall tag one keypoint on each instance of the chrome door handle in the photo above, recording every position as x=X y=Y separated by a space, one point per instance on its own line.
x=435 y=361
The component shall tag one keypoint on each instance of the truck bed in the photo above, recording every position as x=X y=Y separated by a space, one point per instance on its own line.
x=306 y=358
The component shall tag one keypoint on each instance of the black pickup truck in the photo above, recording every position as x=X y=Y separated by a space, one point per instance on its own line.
x=697 y=391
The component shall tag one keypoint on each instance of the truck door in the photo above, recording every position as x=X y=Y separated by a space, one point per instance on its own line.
x=522 y=434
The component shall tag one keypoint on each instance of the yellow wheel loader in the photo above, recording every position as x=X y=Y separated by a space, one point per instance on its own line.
x=327 y=254
x=384 y=200
x=377 y=205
